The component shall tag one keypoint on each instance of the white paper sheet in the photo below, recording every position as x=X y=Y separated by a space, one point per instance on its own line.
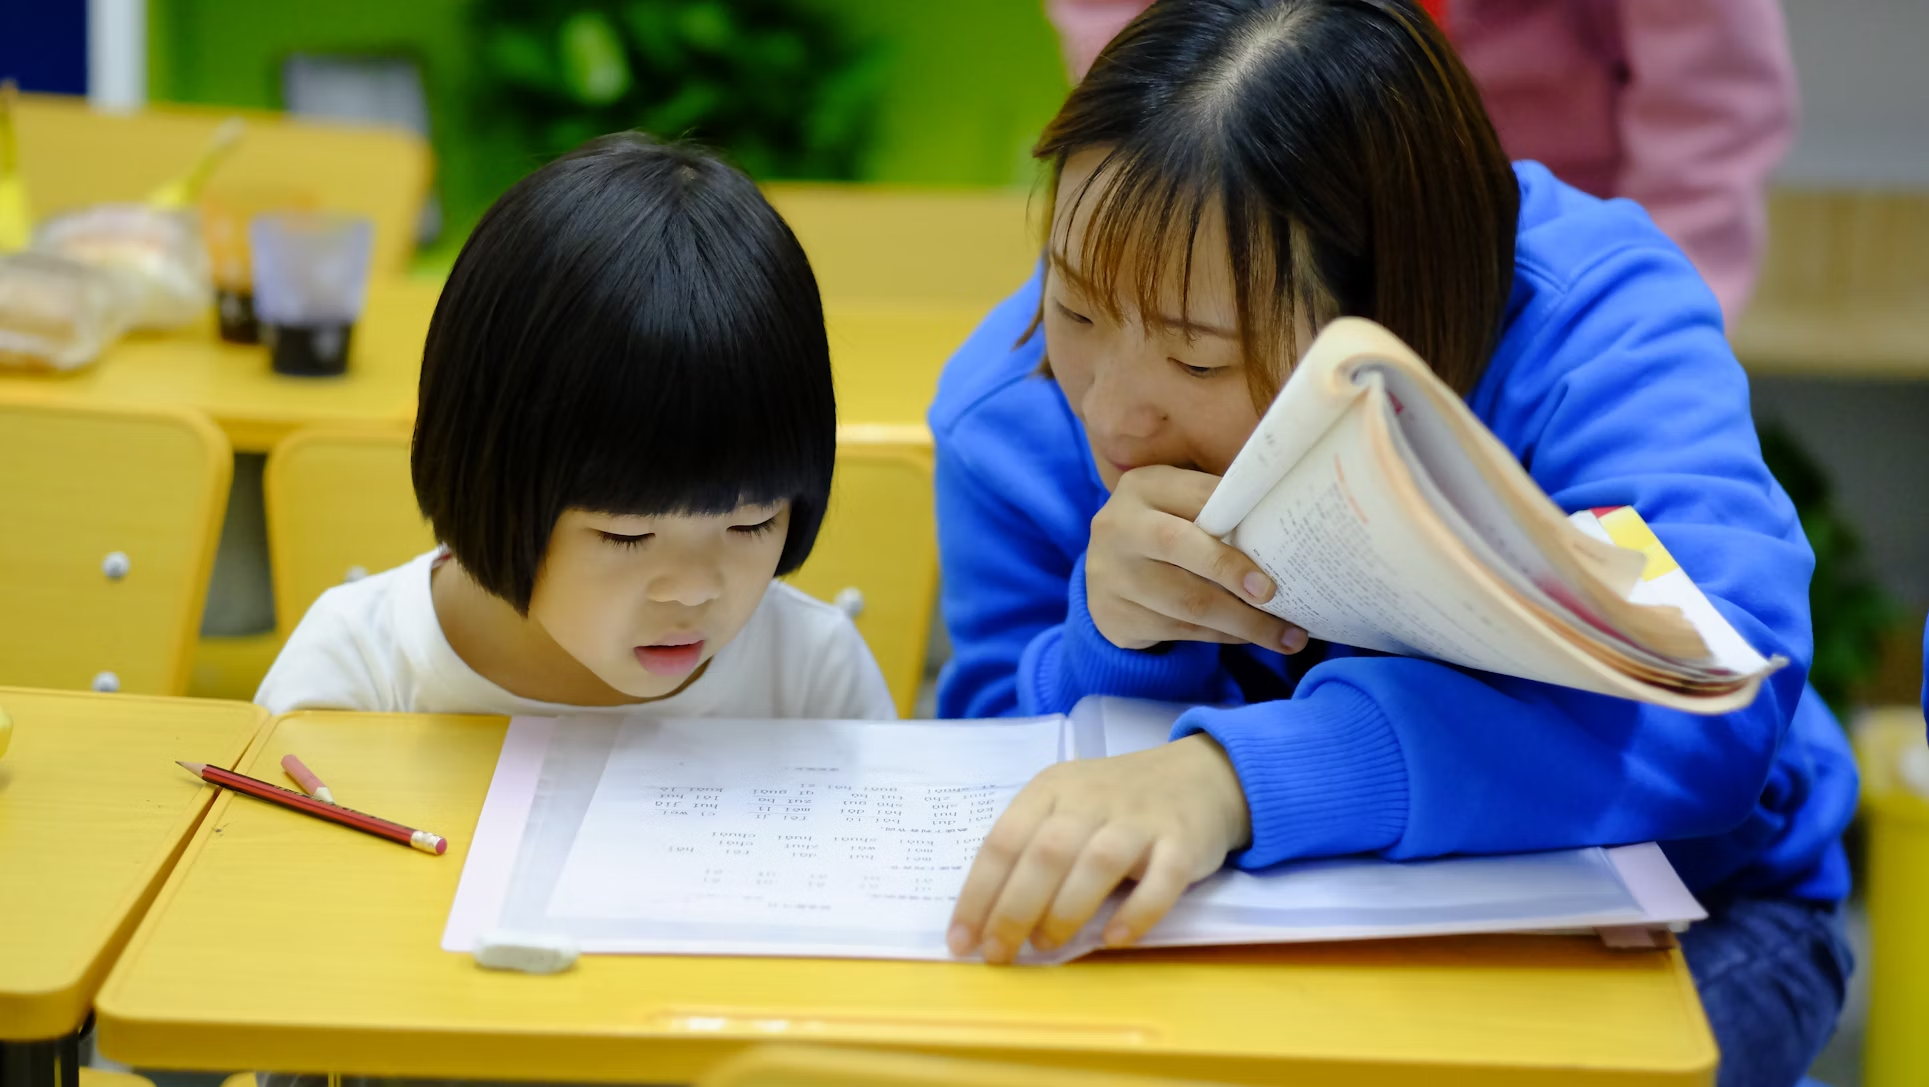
x=817 y=824
x=852 y=839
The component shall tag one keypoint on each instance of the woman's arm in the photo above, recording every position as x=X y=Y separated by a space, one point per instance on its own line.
x=1615 y=389
x=1622 y=391
x=1016 y=498
x=1022 y=639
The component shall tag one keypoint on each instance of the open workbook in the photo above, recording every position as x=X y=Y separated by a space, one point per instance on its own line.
x=1392 y=519
x=852 y=839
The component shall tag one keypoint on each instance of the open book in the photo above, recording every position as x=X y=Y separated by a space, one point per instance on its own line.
x=1390 y=518
x=851 y=839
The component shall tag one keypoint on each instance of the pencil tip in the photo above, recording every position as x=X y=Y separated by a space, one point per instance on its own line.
x=194 y=768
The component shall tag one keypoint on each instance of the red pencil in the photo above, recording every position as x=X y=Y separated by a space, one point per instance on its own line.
x=334 y=813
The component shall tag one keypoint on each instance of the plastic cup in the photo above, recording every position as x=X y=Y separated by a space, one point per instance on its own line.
x=310 y=281
x=225 y=214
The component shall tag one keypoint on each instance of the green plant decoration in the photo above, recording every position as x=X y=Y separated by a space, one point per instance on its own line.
x=778 y=86
x=1850 y=611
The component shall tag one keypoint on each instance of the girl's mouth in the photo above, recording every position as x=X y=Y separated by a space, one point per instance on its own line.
x=673 y=658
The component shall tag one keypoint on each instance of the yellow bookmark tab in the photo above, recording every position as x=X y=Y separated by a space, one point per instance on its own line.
x=1626 y=528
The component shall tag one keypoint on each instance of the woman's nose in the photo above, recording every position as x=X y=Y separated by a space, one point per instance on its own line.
x=1117 y=406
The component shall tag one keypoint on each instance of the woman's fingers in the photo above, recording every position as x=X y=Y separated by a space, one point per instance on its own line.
x=1185 y=545
x=997 y=857
x=1111 y=855
x=1033 y=884
x=1146 y=551
x=1167 y=875
x=1177 y=491
x=1147 y=627
x=1184 y=597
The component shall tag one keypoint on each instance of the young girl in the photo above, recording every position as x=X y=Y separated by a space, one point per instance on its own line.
x=625 y=431
x=1231 y=175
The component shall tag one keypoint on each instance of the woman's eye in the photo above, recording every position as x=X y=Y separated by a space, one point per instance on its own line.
x=757 y=529
x=1069 y=313
x=1195 y=371
x=621 y=540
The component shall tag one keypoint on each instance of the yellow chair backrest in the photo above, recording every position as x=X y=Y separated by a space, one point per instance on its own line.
x=874 y=242
x=886 y=357
x=340 y=503
x=824 y=1066
x=72 y=156
x=111 y=518
x=880 y=541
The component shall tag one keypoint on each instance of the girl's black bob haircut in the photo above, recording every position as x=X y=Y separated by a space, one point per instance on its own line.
x=631 y=329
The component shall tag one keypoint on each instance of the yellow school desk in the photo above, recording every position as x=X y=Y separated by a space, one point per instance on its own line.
x=233 y=385
x=282 y=942
x=1841 y=287
x=93 y=813
x=886 y=356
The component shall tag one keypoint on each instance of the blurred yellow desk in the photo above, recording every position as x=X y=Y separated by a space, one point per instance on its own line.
x=286 y=943
x=93 y=812
x=233 y=385
x=886 y=356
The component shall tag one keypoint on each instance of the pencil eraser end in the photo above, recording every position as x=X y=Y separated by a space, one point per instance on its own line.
x=527 y=952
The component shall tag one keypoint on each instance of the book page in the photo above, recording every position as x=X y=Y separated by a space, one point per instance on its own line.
x=1353 y=566
x=792 y=837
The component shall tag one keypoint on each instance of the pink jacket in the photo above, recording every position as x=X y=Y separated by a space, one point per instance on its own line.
x=1683 y=105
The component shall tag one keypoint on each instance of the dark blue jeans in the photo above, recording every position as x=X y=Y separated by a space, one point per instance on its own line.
x=1772 y=973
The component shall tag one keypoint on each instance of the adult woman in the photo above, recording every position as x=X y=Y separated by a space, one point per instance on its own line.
x=1231 y=175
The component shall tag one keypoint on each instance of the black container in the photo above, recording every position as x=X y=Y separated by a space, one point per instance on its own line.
x=308 y=350
x=235 y=310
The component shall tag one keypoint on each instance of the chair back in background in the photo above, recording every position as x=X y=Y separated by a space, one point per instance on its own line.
x=72 y=156
x=111 y=517
x=878 y=549
x=880 y=243
x=340 y=504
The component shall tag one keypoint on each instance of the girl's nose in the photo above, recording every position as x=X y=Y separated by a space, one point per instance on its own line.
x=689 y=580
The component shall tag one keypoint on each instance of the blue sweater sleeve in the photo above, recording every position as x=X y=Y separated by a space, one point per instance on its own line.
x=1016 y=492
x=1022 y=639
x=1614 y=386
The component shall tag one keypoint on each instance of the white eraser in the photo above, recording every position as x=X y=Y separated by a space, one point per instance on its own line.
x=529 y=952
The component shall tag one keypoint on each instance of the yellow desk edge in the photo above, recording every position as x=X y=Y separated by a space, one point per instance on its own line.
x=140 y=898
x=169 y=1043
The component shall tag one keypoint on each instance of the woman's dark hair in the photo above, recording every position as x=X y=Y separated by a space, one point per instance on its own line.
x=631 y=329
x=1345 y=145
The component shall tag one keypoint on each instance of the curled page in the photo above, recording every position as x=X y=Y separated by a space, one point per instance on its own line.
x=1390 y=518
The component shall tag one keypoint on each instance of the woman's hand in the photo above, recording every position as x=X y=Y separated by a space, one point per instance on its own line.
x=1166 y=817
x=1153 y=576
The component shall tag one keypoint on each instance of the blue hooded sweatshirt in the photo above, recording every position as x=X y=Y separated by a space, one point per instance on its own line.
x=1614 y=385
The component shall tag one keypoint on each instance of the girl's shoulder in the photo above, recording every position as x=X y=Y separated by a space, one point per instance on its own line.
x=356 y=643
x=798 y=656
